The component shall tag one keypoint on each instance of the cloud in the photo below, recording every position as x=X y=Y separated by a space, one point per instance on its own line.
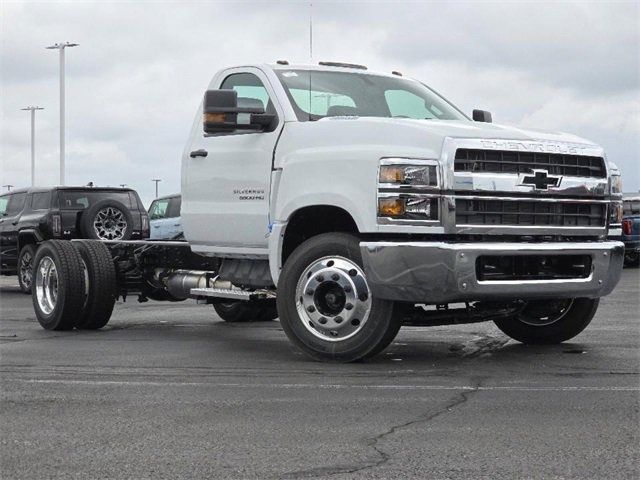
x=135 y=81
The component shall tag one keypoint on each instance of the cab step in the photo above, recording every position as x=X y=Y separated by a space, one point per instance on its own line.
x=233 y=294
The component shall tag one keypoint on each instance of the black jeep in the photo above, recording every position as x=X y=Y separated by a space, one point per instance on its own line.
x=31 y=216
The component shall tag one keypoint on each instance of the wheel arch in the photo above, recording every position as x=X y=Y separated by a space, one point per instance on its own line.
x=28 y=237
x=304 y=223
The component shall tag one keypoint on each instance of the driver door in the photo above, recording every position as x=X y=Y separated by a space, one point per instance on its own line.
x=226 y=196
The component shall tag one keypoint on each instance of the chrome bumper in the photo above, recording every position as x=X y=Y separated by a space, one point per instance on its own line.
x=438 y=272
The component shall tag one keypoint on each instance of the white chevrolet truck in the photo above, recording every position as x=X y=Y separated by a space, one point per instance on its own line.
x=347 y=204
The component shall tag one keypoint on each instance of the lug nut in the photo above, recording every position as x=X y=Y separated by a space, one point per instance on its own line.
x=311 y=309
x=338 y=319
x=320 y=278
x=335 y=277
x=355 y=322
x=347 y=289
x=310 y=292
x=363 y=297
x=353 y=272
x=348 y=306
x=323 y=320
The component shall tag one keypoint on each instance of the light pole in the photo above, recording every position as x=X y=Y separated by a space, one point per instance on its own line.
x=8 y=187
x=61 y=47
x=157 y=180
x=33 y=142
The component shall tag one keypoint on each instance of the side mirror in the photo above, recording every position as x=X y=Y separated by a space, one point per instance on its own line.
x=221 y=113
x=481 y=116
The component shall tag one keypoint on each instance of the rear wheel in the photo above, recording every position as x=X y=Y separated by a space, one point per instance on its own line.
x=58 y=285
x=101 y=288
x=246 y=311
x=325 y=303
x=549 y=321
x=25 y=267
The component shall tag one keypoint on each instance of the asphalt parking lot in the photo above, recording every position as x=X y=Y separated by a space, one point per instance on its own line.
x=171 y=391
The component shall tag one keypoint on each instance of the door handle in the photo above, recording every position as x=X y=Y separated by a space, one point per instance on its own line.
x=199 y=153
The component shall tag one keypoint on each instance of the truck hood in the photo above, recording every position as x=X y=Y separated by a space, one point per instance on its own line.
x=469 y=129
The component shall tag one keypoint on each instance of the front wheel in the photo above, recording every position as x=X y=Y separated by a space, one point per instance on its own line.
x=543 y=322
x=325 y=304
x=25 y=267
x=631 y=259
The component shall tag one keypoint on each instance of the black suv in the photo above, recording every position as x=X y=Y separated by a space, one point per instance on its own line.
x=31 y=216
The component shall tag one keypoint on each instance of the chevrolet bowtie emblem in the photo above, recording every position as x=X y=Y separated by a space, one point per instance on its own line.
x=540 y=180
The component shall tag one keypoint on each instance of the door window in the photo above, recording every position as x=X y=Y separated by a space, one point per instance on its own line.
x=16 y=203
x=158 y=209
x=3 y=204
x=174 y=207
x=41 y=200
x=250 y=90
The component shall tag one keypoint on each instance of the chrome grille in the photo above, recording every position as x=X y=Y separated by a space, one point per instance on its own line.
x=529 y=213
x=507 y=161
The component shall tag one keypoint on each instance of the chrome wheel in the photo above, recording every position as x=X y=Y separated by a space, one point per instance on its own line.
x=542 y=313
x=333 y=298
x=110 y=224
x=46 y=285
x=26 y=269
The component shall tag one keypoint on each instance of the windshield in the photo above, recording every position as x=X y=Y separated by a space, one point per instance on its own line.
x=3 y=204
x=331 y=94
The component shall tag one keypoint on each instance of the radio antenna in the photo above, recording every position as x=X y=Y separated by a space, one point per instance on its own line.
x=310 y=51
x=311 y=32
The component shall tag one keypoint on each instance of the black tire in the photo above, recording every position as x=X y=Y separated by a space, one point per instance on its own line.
x=102 y=288
x=632 y=259
x=89 y=216
x=373 y=336
x=235 y=311
x=67 y=309
x=574 y=320
x=25 y=267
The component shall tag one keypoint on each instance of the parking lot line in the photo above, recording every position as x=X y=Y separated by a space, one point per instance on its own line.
x=336 y=386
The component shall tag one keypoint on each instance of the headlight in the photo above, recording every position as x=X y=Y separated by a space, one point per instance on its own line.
x=616 y=184
x=398 y=172
x=409 y=175
x=615 y=213
x=408 y=207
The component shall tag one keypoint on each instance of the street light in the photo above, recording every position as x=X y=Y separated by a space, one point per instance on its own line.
x=157 y=180
x=61 y=47
x=8 y=187
x=33 y=142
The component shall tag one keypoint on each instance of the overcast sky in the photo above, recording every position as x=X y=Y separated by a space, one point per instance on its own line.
x=141 y=68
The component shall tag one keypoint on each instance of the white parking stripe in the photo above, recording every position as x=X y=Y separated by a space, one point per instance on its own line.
x=335 y=386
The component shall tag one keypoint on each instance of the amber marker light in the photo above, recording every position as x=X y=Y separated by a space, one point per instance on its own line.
x=214 y=117
x=391 y=207
x=392 y=174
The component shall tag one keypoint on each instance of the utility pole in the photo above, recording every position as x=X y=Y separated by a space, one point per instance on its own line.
x=8 y=187
x=61 y=47
x=122 y=185
x=157 y=180
x=33 y=142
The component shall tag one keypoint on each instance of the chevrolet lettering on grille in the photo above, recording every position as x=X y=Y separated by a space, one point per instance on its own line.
x=540 y=180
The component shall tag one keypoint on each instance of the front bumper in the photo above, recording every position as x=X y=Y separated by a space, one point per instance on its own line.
x=439 y=272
